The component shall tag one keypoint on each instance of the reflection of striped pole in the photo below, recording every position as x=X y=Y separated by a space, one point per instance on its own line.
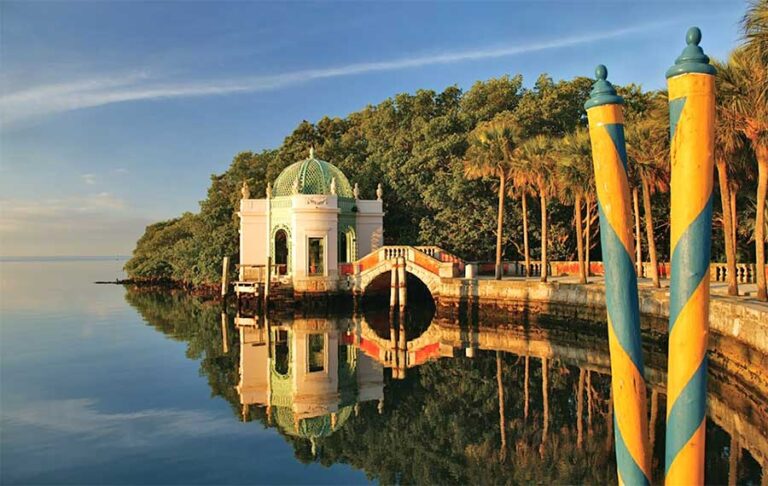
x=691 y=84
x=606 y=130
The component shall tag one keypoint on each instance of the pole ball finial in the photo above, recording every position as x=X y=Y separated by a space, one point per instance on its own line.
x=692 y=59
x=601 y=72
x=603 y=92
x=693 y=37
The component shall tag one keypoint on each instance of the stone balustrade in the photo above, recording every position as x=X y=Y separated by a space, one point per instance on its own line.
x=718 y=272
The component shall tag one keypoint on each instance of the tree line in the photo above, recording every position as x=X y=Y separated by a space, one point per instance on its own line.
x=461 y=168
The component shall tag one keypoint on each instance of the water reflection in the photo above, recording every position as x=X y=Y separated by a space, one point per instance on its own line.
x=463 y=401
x=307 y=375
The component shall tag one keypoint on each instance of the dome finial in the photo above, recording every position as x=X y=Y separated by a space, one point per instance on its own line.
x=312 y=152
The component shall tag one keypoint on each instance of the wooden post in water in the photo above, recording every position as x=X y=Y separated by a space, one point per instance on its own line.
x=691 y=83
x=267 y=278
x=224 y=337
x=606 y=131
x=225 y=276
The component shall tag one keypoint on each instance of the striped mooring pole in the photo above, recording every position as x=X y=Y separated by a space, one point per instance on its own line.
x=691 y=83
x=609 y=155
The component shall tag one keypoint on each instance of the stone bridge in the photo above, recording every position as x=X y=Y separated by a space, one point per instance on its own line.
x=429 y=264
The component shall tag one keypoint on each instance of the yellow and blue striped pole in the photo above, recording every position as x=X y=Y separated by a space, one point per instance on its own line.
x=691 y=83
x=606 y=130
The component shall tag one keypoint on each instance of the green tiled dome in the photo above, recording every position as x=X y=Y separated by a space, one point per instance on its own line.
x=311 y=428
x=314 y=176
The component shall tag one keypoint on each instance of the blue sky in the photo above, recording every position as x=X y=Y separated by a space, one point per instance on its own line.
x=114 y=114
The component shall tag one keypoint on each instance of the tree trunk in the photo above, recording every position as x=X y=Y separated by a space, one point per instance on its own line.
x=761 y=152
x=587 y=233
x=525 y=409
x=500 y=222
x=649 y=232
x=502 y=418
x=579 y=240
x=544 y=271
x=730 y=253
x=525 y=236
x=638 y=246
x=580 y=411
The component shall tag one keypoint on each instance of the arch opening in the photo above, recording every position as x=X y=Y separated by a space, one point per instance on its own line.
x=281 y=251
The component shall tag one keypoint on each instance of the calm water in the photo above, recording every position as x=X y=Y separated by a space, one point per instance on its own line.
x=106 y=385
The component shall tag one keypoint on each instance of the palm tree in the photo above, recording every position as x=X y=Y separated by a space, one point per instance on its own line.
x=537 y=155
x=755 y=24
x=576 y=179
x=744 y=89
x=522 y=183
x=647 y=148
x=490 y=154
x=502 y=415
x=728 y=141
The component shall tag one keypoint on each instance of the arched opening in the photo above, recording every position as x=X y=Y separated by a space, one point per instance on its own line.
x=281 y=251
x=343 y=255
x=281 y=351
x=347 y=243
x=419 y=311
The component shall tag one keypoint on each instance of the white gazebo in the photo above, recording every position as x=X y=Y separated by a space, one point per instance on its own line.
x=311 y=224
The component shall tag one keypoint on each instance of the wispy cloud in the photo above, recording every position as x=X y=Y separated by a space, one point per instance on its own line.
x=89 y=179
x=56 y=98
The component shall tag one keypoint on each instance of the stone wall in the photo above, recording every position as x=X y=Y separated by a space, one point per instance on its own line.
x=739 y=328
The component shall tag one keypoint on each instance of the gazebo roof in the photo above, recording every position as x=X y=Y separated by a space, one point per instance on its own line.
x=314 y=176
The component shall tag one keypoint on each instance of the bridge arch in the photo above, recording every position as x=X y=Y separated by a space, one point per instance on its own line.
x=429 y=279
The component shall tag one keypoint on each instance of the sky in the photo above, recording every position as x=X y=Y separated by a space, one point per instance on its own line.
x=114 y=114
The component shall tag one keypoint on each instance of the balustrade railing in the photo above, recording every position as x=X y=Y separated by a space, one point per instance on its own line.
x=258 y=273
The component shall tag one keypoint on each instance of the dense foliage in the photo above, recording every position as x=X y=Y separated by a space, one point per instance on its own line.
x=417 y=146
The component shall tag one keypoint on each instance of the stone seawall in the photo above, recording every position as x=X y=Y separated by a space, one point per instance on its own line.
x=739 y=328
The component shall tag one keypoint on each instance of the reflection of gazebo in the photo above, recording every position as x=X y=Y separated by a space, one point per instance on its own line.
x=308 y=375
x=311 y=222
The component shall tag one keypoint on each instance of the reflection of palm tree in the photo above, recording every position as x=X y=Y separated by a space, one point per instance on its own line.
x=525 y=389
x=580 y=410
x=734 y=455
x=589 y=402
x=652 y=424
x=502 y=419
x=545 y=399
x=609 y=422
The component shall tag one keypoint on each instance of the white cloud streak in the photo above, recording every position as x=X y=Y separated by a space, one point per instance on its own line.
x=50 y=99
